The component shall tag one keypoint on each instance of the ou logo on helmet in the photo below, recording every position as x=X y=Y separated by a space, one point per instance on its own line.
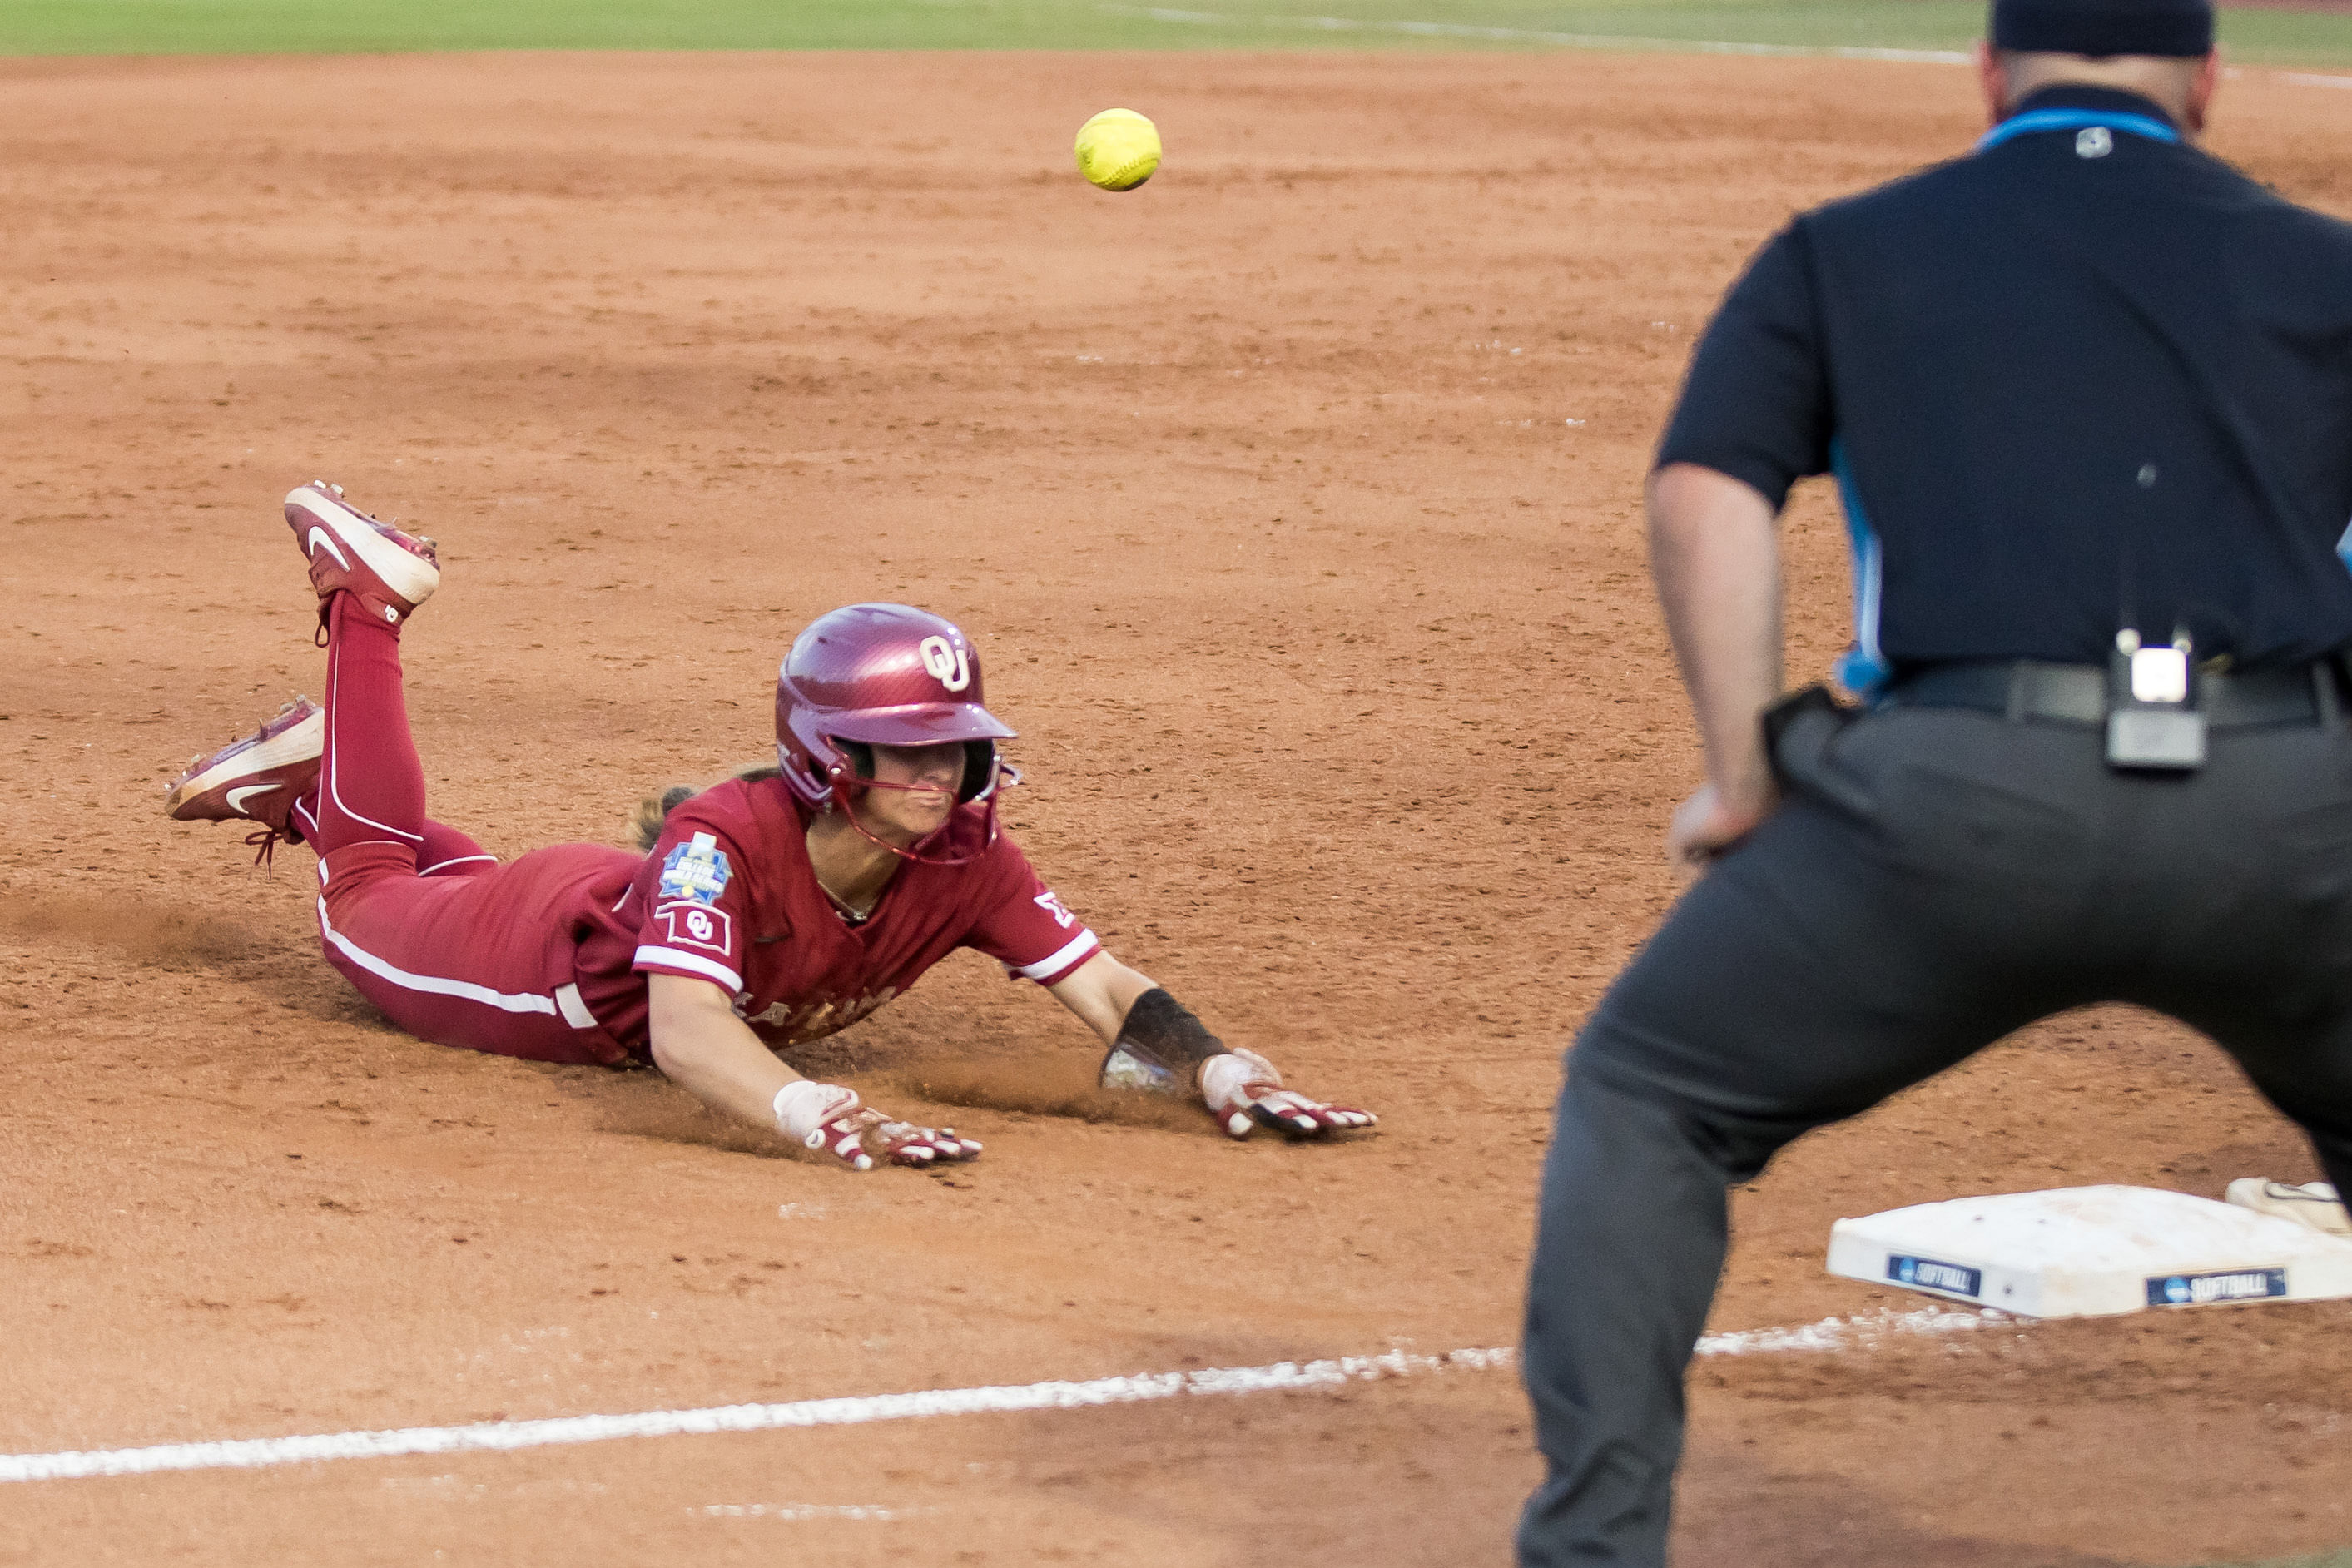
x=949 y=664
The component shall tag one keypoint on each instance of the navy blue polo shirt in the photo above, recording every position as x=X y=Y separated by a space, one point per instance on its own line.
x=2084 y=378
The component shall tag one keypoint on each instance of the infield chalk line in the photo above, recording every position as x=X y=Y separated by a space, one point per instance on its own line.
x=502 y=1436
x=1535 y=36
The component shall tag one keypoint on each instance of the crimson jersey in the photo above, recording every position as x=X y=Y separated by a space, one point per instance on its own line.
x=728 y=896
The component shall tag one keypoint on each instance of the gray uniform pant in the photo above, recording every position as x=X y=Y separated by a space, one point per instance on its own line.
x=1934 y=880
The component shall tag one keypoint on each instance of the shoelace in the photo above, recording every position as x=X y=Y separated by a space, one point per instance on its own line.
x=268 y=838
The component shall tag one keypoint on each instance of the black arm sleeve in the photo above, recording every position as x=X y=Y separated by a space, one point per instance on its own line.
x=1159 y=1046
x=1756 y=405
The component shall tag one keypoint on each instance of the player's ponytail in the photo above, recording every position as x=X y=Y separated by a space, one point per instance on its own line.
x=645 y=821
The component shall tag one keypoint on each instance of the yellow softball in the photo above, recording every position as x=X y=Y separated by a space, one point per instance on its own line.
x=1118 y=149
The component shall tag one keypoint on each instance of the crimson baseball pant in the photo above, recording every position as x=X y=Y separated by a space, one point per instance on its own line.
x=1934 y=879
x=449 y=944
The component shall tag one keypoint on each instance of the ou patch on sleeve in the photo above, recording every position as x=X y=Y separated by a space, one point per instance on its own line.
x=687 y=931
x=687 y=923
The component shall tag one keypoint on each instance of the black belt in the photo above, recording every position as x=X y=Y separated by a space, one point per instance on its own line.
x=2077 y=693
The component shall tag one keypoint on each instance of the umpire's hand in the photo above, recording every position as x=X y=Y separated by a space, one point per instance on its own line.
x=1715 y=551
x=1708 y=824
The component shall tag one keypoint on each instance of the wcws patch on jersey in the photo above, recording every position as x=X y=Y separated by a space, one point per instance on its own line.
x=697 y=872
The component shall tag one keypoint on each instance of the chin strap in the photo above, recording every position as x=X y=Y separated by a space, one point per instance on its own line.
x=845 y=783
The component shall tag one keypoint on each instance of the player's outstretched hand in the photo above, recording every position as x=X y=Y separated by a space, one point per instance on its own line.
x=904 y=1143
x=828 y=1117
x=1243 y=1091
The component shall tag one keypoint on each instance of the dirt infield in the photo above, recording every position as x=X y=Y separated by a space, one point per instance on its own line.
x=1292 y=501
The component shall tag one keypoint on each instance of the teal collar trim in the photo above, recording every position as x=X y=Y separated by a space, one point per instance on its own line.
x=2026 y=124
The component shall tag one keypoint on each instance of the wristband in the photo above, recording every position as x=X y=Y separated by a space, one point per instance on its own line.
x=1160 y=1046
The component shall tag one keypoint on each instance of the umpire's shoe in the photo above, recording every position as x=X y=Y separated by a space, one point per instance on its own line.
x=389 y=573
x=258 y=778
x=2314 y=1204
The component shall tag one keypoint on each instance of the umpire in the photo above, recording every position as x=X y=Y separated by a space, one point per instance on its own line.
x=2087 y=395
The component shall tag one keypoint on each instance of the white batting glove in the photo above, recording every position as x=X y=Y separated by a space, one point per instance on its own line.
x=827 y=1116
x=1242 y=1090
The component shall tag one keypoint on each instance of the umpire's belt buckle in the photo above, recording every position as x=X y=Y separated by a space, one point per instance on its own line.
x=2153 y=721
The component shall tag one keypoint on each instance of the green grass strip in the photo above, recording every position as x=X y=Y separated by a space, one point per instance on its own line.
x=282 y=26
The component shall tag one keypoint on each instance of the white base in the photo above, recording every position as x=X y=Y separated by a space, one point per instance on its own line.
x=2084 y=1252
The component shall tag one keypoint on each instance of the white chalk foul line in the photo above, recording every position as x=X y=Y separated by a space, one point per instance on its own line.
x=501 y=1436
x=504 y=1436
x=1848 y=1333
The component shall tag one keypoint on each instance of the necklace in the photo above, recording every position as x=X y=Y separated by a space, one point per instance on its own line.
x=848 y=911
x=851 y=913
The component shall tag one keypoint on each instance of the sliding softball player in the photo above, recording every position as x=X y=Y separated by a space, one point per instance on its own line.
x=769 y=910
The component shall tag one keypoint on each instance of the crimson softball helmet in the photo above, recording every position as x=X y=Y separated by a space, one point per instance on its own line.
x=889 y=674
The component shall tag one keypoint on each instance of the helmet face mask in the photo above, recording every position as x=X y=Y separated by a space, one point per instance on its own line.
x=869 y=675
x=981 y=766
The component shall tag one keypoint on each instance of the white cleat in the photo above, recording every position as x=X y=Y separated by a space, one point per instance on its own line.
x=389 y=572
x=2313 y=1205
x=259 y=777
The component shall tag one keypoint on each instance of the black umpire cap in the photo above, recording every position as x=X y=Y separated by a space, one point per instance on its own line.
x=2099 y=29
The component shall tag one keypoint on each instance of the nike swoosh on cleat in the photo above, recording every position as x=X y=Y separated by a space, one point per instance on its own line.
x=237 y=798
x=321 y=536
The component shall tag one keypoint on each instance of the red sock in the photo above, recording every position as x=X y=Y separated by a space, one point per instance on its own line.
x=371 y=785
